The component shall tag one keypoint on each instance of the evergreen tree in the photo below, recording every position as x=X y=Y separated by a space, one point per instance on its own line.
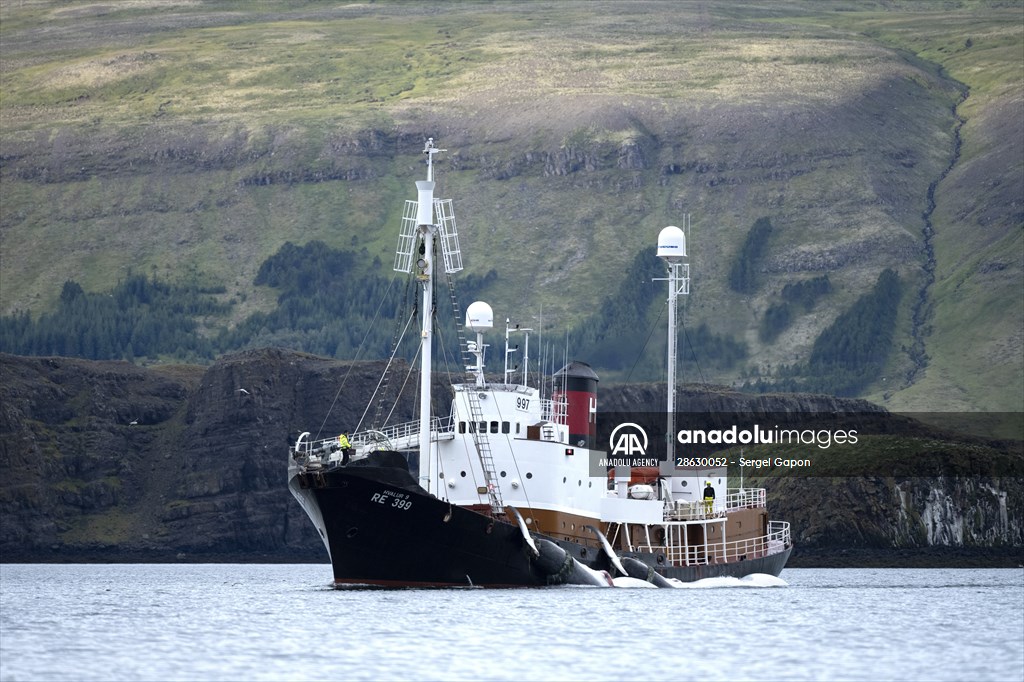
x=743 y=274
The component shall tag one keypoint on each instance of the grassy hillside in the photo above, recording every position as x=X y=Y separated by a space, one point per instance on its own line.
x=190 y=140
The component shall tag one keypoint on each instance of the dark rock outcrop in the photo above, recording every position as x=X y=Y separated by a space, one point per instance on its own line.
x=110 y=461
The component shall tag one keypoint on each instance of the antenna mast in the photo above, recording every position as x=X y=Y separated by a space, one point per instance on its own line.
x=672 y=248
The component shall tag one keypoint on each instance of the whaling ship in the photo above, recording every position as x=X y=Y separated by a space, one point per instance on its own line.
x=505 y=492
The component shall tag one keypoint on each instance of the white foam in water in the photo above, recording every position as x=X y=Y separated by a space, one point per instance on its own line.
x=752 y=580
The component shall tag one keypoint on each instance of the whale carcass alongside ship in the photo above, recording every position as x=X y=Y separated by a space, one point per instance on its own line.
x=502 y=491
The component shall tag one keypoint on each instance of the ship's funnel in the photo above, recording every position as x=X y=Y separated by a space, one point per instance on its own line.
x=425 y=202
x=671 y=244
x=577 y=387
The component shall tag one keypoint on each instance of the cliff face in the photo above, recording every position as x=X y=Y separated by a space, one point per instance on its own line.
x=109 y=461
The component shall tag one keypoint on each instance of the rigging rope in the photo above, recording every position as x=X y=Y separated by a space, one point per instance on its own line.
x=355 y=358
x=390 y=360
x=647 y=341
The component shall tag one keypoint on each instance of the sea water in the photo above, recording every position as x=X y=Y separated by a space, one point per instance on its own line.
x=285 y=622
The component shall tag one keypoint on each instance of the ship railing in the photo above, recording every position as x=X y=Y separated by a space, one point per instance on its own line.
x=400 y=436
x=326 y=452
x=698 y=510
x=496 y=387
x=554 y=410
x=745 y=498
x=679 y=553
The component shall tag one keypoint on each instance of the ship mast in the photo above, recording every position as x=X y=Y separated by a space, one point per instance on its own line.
x=672 y=249
x=424 y=220
x=425 y=266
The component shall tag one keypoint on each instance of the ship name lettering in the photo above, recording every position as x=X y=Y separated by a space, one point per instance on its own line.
x=398 y=500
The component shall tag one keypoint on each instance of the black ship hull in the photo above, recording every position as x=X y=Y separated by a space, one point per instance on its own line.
x=383 y=529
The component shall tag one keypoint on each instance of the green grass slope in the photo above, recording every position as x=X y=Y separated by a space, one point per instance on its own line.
x=190 y=140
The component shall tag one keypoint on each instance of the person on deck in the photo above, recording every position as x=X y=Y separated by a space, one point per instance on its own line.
x=709 y=497
x=346 y=449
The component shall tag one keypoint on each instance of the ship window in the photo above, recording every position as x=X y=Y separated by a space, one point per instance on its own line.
x=472 y=427
x=463 y=474
x=462 y=427
x=483 y=427
x=494 y=427
x=590 y=484
x=580 y=483
x=529 y=475
x=684 y=483
x=505 y=427
x=503 y=474
x=563 y=481
x=517 y=428
x=441 y=475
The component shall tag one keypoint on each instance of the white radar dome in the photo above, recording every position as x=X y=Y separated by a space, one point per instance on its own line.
x=479 y=317
x=672 y=244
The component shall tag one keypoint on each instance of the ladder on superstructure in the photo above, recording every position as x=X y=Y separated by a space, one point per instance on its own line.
x=483 y=450
x=480 y=440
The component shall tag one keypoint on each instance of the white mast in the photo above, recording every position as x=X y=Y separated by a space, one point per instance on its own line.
x=425 y=224
x=672 y=248
x=508 y=351
x=418 y=223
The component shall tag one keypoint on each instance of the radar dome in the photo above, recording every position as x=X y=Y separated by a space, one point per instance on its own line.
x=672 y=244
x=479 y=317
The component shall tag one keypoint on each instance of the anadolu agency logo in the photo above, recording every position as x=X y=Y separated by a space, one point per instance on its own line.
x=628 y=444
x=628 y=439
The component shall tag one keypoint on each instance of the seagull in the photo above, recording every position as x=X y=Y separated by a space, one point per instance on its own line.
x=134 y=422
x=243 y=391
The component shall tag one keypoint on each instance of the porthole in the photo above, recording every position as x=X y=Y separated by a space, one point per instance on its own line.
x=579 y=483
x=503 y=474
x=563 y=479
x=463 y=474
x=529 y=475
x=441 y=475
x=352 y=532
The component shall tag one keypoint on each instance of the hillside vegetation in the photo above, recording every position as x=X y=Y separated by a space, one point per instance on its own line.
x=189 y=142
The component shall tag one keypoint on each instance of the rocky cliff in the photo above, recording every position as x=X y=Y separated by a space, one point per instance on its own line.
x=111 y=461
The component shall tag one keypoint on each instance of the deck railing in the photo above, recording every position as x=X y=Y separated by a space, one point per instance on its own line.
x=747 y=498
x=324 y=452
x=553 y=411
x=679 y=553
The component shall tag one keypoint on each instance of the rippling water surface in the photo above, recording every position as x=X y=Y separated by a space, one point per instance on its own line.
x=276 y=622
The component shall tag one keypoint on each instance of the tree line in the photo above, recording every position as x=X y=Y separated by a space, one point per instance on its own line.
x=140 y=317
x=328 y=298
x=622 y=334
x=851 y=352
